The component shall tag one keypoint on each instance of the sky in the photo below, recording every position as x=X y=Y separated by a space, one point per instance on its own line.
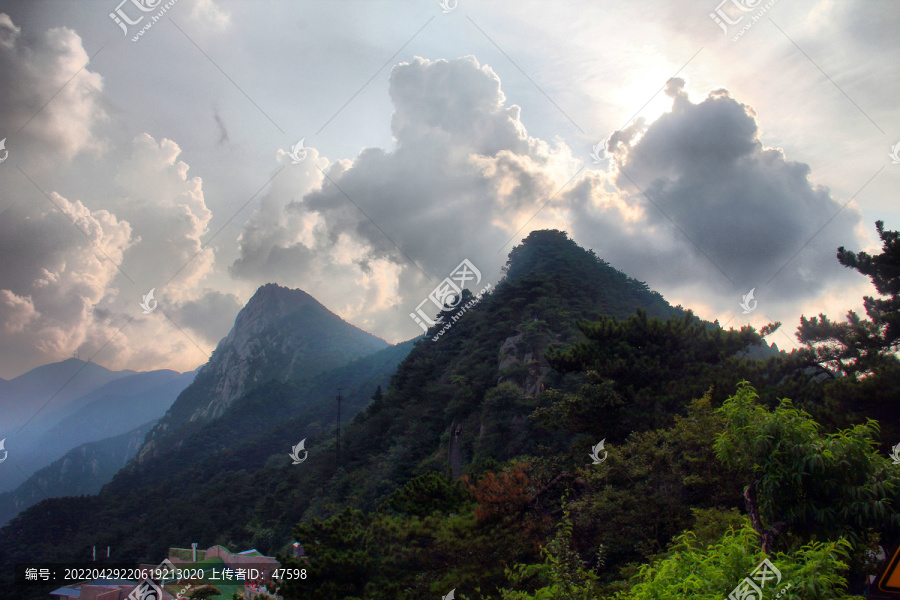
x=362 y=150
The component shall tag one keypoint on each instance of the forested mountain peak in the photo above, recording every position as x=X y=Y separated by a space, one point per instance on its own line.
x=587 y=281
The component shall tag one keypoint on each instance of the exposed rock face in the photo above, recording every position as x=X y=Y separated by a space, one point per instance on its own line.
x=521 y=361
x=282 y=334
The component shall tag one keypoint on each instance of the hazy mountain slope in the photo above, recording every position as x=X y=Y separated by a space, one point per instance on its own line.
x=266 y=422
x=52 y=386
x=115 y=408
x=226 y=467
x=83 y=470
x=46 y=397
x=281 y=334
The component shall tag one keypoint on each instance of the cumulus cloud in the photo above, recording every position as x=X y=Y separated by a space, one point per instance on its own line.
x=718 y=208
x=71 y=277
x=52 y=275
x=35 y=69
x=169 y=213
x=73 y=269
x=694 y=203
x=462 y=177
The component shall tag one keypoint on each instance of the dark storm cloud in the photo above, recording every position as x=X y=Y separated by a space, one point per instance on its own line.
x=742 y=210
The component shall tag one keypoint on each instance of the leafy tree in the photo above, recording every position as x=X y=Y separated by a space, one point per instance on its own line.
x=696 y=571
x=340 y=562
x=563 y=575
x=862 y=346
x=671 y=471
x=505 y=431
x=504 y=494
x=803 y=483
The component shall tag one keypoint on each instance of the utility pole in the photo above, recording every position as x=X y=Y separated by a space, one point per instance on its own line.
x=339 y=428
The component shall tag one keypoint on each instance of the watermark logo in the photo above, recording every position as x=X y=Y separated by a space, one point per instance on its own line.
x=751 y=588
x=894 y=153
x=298 y=152
x=450 y=596
x=461 y=312
x=448 y=6
x=732 y=12
x=6 y=453
x=121 y=19
x=597 y=153
x=895 y=454
x=723 y=20
x=148 y=298
x=447 y=295
x=6 y=152
x=146 y=590
x=150 y=590
x=595 y=452
x=295 y=452
x=748 y=303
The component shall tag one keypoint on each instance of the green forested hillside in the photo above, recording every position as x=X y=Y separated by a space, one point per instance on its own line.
x=709 y=470
x=705 y=469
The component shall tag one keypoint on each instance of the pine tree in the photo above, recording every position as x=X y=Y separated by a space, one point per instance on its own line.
x=862 y=346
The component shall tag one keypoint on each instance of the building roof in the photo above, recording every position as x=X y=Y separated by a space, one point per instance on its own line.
x=67 y=591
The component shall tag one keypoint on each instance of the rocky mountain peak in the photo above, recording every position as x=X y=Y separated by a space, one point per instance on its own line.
x=281 y=334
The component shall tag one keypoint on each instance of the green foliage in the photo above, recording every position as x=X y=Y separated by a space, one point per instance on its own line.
x=695 y=571
x=390 y=524
x=594 y=408
x=426 y=494
x=563 y=575
x=645 y=367
x=389 y=554
x=628 y=351
x=340 y=562
x=504 y=428
x=862 y=346
x=644 y=493
x=819 y=486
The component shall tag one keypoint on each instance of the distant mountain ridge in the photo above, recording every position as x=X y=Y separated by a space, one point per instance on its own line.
x=53 y=408
x=282 y=334
x=42 y=393
x=83 y=470
x=115 y=408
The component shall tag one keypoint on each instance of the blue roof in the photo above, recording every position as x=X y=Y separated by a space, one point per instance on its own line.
x=67 y=591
